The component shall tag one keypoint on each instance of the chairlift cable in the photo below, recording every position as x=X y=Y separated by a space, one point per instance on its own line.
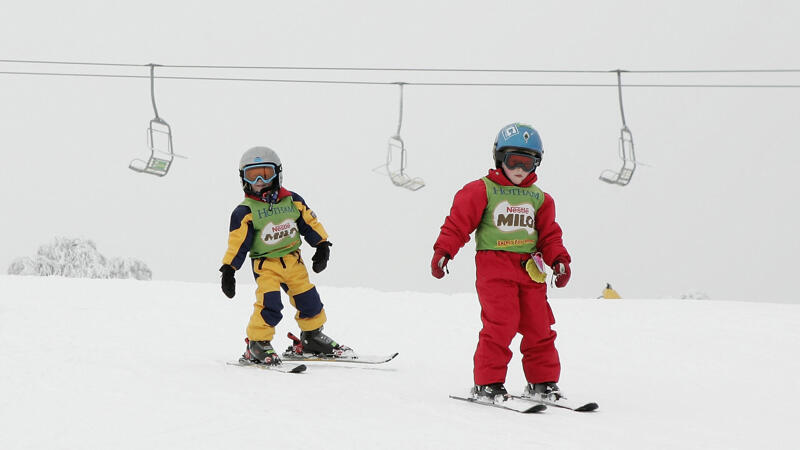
x=430 y=84
x=71 y=63
x=398 y=69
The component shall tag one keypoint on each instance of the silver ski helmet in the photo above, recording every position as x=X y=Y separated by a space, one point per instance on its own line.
x=518 y=138
x=261 y=156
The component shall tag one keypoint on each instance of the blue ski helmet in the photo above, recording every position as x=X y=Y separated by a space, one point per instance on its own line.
x=517 y=137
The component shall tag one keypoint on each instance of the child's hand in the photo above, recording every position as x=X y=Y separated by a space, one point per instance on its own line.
x=228 y=280
x=439 y=263
x=561 y=273
x=320 y=258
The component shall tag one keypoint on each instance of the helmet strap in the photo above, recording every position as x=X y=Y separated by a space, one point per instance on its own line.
x=269 y=195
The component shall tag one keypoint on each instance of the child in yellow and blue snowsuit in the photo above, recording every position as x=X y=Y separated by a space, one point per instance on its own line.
x=268 y=225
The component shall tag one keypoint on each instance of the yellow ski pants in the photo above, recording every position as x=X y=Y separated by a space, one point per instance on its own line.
x=288 y=273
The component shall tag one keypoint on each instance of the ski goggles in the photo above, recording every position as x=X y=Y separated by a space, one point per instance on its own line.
x=526 y=161
x=265 y=172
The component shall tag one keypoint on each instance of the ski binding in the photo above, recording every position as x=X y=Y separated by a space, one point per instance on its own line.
x=343 y=354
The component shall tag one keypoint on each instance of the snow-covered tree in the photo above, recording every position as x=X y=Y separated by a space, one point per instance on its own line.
x=695 y=295
x=78 y=258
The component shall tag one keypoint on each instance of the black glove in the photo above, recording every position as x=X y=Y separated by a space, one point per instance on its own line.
x=228 y=280
x=321 y=256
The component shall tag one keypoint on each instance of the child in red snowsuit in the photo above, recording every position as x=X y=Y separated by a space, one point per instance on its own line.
x=516 y=231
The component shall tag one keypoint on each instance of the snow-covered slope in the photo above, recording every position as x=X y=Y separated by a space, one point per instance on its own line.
x=123 y=364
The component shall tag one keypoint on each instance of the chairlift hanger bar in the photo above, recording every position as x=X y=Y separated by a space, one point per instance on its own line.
x=400 y=116
x=619 y=90
x=153 y=89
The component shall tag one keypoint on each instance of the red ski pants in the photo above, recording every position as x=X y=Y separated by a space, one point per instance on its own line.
x=510 y=303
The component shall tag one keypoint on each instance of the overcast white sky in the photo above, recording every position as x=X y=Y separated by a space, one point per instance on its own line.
x=713 y=211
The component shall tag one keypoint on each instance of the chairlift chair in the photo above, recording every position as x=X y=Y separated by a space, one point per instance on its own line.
x=400 y=178
x=396 y=145
x=159 y=141
x=626 y=152
x=628 y=157
x=161 y=156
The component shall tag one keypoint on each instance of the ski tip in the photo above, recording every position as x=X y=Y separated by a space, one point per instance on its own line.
x=300 y=368
x=535 y=409
x=589 y=407
x=392 y=356
x=511 y=404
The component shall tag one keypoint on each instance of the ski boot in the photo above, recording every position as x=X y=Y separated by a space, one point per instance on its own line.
x=261 y=352
x=315 y=342
x=543 y=391
x=492 y=393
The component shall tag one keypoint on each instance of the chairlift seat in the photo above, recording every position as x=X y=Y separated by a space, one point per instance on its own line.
x=626 y=153
x=403 y=180
x=153 y=166
x=399 y=177
x=159 y=141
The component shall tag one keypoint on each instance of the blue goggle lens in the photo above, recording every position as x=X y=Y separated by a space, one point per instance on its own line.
x=266 y=172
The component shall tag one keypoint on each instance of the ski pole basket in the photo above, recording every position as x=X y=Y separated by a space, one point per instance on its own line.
x=159 y=142
x=396 y=146
x=626 y=151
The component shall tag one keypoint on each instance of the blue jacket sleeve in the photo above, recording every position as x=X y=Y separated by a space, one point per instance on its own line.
x=240 y=237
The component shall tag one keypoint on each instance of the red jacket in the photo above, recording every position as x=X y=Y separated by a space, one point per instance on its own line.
x=468 y=208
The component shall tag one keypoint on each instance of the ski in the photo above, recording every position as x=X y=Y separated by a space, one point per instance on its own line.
x=285 y=368
x=512 y=404
x=363 y=359
x=563 y=402
x=343 y=354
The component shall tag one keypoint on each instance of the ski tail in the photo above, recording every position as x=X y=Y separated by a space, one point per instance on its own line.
x=562 y=402
x=283 y=367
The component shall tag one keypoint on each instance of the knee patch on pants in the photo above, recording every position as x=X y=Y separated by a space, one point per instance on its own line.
x=308 y=303
x=272 y=306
